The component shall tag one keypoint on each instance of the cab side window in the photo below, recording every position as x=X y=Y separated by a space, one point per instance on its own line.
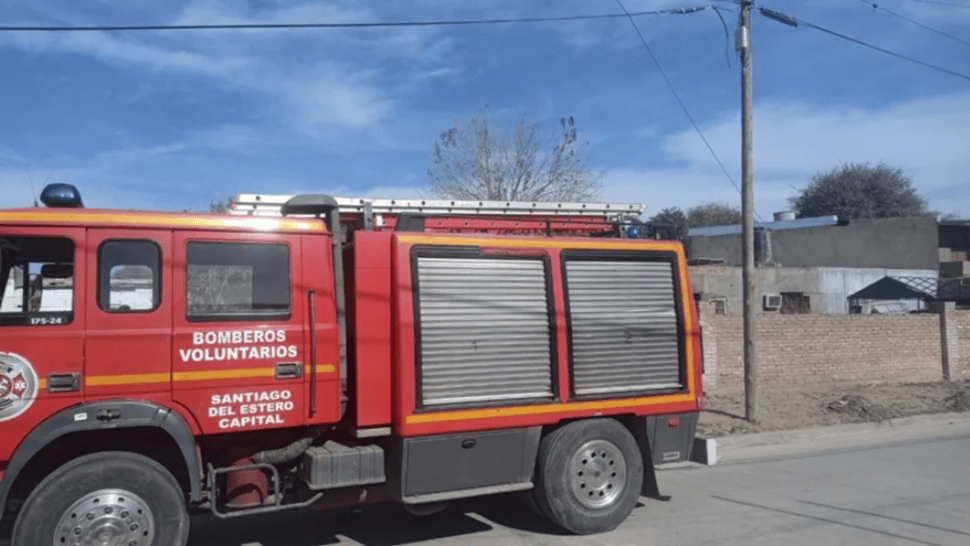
x=237 y=281
x=129 y=277
x=36 y=280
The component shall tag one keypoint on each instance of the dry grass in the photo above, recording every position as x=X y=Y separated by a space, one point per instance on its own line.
x=832 y=405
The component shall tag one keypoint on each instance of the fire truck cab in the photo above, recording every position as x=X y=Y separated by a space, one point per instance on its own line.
x=312 y=351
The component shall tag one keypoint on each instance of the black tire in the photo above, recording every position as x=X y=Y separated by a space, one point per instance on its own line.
x=588 y=476
x=426 y=509
x=112 y=495
x=528 y=498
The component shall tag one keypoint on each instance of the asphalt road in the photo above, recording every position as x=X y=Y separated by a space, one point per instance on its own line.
x=897 y=487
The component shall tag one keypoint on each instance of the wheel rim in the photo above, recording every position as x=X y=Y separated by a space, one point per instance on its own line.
x=597 y=474
x=108 y=517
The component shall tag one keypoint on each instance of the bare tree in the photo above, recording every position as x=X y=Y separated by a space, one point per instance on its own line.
x=219 y=288
x=220 y=206
x=474 y=160
x=856 y=190
x=713 y=214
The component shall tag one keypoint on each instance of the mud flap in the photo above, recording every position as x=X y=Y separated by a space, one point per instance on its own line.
x=638 y=426
x=662 y=439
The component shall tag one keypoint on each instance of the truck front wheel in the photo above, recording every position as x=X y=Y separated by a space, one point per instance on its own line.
x=589 y=475
x=111 y=497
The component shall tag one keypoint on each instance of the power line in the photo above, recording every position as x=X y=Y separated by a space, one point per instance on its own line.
x=676 y=96
x=249 y=26
x=773 y=15
x=917 y=23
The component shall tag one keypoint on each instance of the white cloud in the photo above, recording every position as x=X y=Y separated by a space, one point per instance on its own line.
x=926 y=138
x=663 y=188
x=112 y=179
x=207 y=12
x=294 y=187
x=229 y=137
x=382 y=191
x=116 y=49
x=16 y=189
x=9 y=155
x=333 y=96
x=294 y=69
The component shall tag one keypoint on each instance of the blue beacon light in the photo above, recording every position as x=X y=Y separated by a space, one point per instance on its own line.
x=61 y=195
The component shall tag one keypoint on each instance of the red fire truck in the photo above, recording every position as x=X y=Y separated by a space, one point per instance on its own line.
x=312 y=351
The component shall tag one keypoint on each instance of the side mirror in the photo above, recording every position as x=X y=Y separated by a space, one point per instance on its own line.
x=35 y=287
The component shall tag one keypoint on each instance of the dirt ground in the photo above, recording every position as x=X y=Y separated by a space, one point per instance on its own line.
x=834 y=405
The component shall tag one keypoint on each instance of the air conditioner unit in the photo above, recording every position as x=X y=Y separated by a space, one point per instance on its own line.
x=772 y=301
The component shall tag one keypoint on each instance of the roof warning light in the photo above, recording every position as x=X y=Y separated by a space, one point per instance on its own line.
x=61 y=195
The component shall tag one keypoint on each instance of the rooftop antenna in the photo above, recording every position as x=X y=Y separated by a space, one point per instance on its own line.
x=30 y=178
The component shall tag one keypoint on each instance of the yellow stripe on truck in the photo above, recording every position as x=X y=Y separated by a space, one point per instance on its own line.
x=163 y=220
x=516 y=411
x=202 y=375
x=540 y=243
x=129 y=379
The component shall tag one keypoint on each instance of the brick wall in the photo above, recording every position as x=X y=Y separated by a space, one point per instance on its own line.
x=817 y=349
x=960 y=363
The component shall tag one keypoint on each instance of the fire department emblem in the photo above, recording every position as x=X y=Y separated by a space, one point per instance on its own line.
x=18 y=385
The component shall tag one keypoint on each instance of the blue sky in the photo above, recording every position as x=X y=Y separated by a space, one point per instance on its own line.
x=173 y=120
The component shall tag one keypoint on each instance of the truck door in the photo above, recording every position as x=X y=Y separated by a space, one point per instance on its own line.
x=129 y=319
x=41 y=326
x=323 y=338
x=238 y=348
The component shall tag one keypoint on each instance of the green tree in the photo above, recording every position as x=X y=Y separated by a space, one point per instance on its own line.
x=857 y=190
x=675 y=217
x=475 y=160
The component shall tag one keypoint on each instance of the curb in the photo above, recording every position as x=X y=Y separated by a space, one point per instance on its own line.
x=707 y=450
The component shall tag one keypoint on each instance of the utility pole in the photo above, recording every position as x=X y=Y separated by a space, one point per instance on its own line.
x=747 y=221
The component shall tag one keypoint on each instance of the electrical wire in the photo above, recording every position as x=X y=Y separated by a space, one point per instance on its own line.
x=877 y=48
x=727 y=36
x=917 y=23
x=676 y=96
x=249 y=26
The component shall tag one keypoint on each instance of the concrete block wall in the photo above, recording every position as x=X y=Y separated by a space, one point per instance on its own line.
x=817 y=350
x=960 y=362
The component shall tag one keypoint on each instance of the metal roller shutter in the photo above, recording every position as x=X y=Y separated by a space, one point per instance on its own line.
x=484 y=330
x=624 y=326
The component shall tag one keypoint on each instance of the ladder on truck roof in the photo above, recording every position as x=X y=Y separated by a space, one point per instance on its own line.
x=261 y=204
x=458 y=216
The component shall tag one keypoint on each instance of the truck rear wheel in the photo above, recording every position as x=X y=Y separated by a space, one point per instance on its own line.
x=528 y=498
x=589 y=476
x=105 y=498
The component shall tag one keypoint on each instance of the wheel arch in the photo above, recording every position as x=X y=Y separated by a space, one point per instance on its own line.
x=157 y=431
